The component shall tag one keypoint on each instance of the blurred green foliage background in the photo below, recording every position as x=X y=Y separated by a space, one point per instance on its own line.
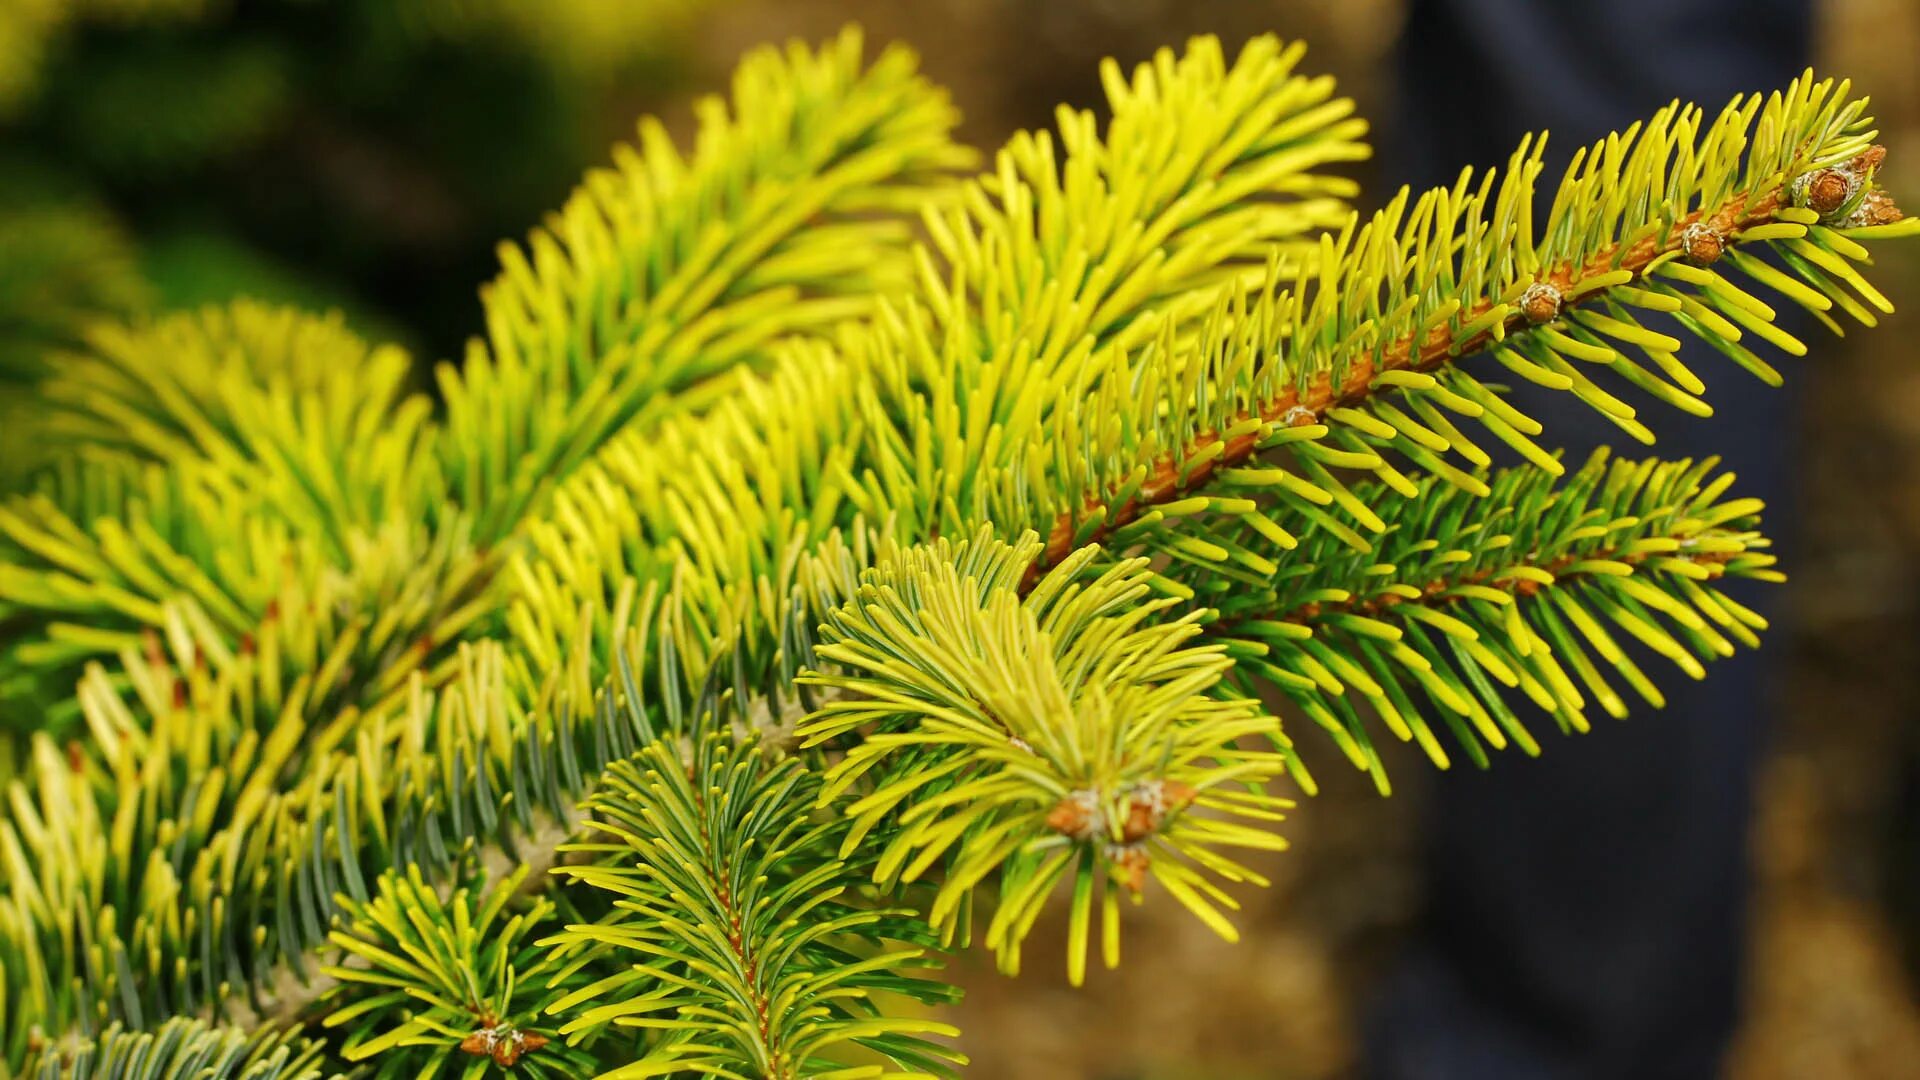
x=364 y=155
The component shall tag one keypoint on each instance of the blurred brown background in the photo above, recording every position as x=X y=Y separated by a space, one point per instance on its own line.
x=345 y=202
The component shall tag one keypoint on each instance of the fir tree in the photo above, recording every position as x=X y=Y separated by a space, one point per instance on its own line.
x=823 y=559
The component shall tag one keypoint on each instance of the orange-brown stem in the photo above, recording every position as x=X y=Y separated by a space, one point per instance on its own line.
x=1431 y=593
x=748 y=962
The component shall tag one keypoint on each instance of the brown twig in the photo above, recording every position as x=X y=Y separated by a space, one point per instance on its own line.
x=1433 y=592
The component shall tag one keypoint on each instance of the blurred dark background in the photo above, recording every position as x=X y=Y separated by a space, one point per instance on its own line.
x=368 y=155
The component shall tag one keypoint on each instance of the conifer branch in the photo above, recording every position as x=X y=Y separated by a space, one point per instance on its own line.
x=1071 y=735
x=665 y=273
x=1136 y=229
x=1492 y=319
x=735 y=921
x=248 y=476
x=330 y=702
x=182 y=1047
x=1445 y=615
x=1125 y=237
x=461 y=977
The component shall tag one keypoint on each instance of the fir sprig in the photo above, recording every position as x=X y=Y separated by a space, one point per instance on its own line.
x=1461 y=599
x=1207 y=173
x=1071 y=735
x=666 y=272
x=268 y=468
x=1637 y=226
x=183 y=1047
x=751 y=950
x=462 y=979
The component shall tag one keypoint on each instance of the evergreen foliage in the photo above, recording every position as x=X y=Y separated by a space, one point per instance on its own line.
x=782 y=592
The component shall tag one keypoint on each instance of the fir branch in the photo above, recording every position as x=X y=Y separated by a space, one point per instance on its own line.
x=667 y=272
x=174 y=854
x=1070 y=735
x=289 y=410
x=1132 y=230
x=1626 y=232
x=1465 y=596
x=920 y=431
x=1040 y=263
x=246 y=467
x=180 y=1047
x=674 y=579
x=300 y=815
x=752 y=952
x=426 y=984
